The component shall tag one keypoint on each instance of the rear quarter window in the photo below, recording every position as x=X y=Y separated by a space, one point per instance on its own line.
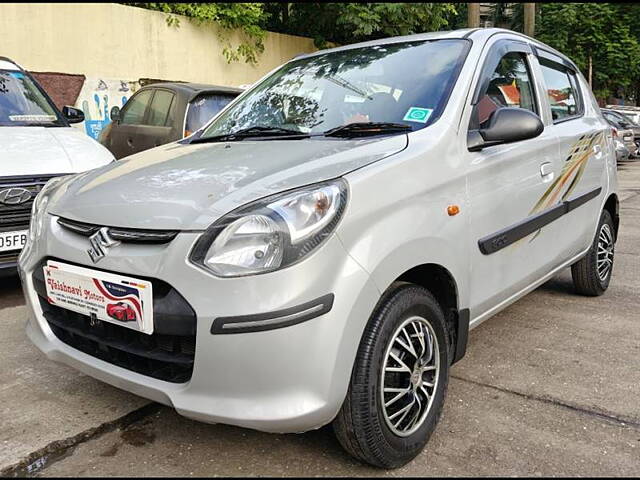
x=203 y=108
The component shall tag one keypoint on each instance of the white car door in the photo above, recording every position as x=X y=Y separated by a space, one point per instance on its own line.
x=581 y=134
x=506 y=182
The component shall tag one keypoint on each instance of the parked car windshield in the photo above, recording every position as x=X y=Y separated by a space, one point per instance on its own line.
x=22 y=103
x=204 y=108
x=406 y=83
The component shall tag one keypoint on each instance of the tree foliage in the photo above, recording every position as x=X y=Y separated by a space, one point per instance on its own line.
x=344 y=23
x=600 y=31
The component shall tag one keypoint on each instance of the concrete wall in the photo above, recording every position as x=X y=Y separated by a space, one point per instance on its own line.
x=129 y=43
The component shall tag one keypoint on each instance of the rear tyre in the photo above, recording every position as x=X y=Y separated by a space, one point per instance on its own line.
x=592 y=273
x=399 y=380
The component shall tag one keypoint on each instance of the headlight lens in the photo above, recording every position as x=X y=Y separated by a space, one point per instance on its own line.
x=39 y=207
x=271 y=233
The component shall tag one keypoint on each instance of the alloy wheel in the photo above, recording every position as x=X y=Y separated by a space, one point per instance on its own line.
x=409 y=376
x=605 y=252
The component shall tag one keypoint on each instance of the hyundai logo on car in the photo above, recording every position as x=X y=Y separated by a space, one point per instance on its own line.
x=14 y=196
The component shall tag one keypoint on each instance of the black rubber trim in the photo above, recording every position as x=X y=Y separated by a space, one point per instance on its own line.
x=541 y=52
x=132 y=235
x=462 y=335
x=317 y=307
x=505 y=237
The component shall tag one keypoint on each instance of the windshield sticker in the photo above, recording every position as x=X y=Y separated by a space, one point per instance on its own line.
x=417 y=114
x=32 y=118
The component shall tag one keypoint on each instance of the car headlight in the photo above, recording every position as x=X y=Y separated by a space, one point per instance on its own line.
x=39 y=207
x=271 y=233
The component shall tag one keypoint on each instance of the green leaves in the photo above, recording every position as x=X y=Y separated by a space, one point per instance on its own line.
x=606 y=32
x=345 y=23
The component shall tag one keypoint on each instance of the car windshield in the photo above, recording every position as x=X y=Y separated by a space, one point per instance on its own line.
x=407 y=83
x=204 y=108
x=22 y=103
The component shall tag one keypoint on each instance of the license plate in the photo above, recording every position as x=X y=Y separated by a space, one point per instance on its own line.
x=109 y=297
x=13 y=240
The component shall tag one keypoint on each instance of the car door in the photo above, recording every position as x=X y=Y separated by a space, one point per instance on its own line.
x=157 y=126
x=581 y=134
x=506 y=182
x=125 y=133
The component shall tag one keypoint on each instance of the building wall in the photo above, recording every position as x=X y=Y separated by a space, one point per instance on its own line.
x=119 y=41
x=110 y=48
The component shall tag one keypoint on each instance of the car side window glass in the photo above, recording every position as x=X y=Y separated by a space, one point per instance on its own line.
x=133 y=113
x=159 y=109
x=510 y=85
x=562 y=91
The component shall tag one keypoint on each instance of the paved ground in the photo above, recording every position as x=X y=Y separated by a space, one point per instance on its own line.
x=550 y=386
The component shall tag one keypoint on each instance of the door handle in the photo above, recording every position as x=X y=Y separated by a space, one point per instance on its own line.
x=597 y=150
x=546 y=171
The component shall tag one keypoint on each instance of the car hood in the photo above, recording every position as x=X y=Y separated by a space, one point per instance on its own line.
x=49 y=150
x=188 y=187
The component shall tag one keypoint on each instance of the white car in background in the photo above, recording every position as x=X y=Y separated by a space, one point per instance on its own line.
x=36 y=144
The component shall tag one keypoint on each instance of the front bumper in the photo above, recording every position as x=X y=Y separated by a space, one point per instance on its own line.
x=289 y=379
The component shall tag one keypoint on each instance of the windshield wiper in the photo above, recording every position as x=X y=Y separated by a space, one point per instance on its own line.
x=364 y=129
x=255 y=131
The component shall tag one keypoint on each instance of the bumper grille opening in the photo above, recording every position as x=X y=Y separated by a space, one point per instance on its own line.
x=165 y=357
x=167 y=354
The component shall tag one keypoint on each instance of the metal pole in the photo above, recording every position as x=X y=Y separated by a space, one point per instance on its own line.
x=529 y=19
x=473 y=15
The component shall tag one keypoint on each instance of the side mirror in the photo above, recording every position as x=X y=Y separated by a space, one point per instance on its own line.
x=115 y=114
x=506 y=125
x=72 y=114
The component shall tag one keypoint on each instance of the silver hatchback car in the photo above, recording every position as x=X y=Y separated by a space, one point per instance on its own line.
x=319 y=251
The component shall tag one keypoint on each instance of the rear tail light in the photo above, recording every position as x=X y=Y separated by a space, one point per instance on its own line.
x=614 y=131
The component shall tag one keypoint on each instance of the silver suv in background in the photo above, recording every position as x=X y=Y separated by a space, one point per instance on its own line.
x=320 y=250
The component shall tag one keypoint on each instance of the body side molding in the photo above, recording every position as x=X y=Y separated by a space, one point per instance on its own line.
x=505 y=237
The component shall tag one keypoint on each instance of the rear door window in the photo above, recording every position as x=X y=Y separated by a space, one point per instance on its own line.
x=135 y=108
x=562 y=91
x=203 y=108
x=159 y=110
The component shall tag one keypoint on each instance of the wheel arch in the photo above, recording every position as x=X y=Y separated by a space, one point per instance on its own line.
x=440 y=282
x=612 y=205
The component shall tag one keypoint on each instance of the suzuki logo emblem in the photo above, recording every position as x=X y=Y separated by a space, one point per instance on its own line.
x=100 y=244
x=14 y=196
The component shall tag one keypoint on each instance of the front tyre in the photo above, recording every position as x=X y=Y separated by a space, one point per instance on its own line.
x=592 y=273
x=399 y=380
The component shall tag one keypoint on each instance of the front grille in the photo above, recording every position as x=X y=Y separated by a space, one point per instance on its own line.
x=8 y=258
x=133 y=235
x=16 y=217
x=167 y=354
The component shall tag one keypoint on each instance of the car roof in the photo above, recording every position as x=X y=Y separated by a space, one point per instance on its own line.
x=8 y=64
x=473 y=34
x=193 y=89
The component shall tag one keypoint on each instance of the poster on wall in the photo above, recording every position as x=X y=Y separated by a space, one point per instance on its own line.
x=97 y=97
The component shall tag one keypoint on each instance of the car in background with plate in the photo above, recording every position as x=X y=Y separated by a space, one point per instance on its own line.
x=161 y=113
x=37 y=143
